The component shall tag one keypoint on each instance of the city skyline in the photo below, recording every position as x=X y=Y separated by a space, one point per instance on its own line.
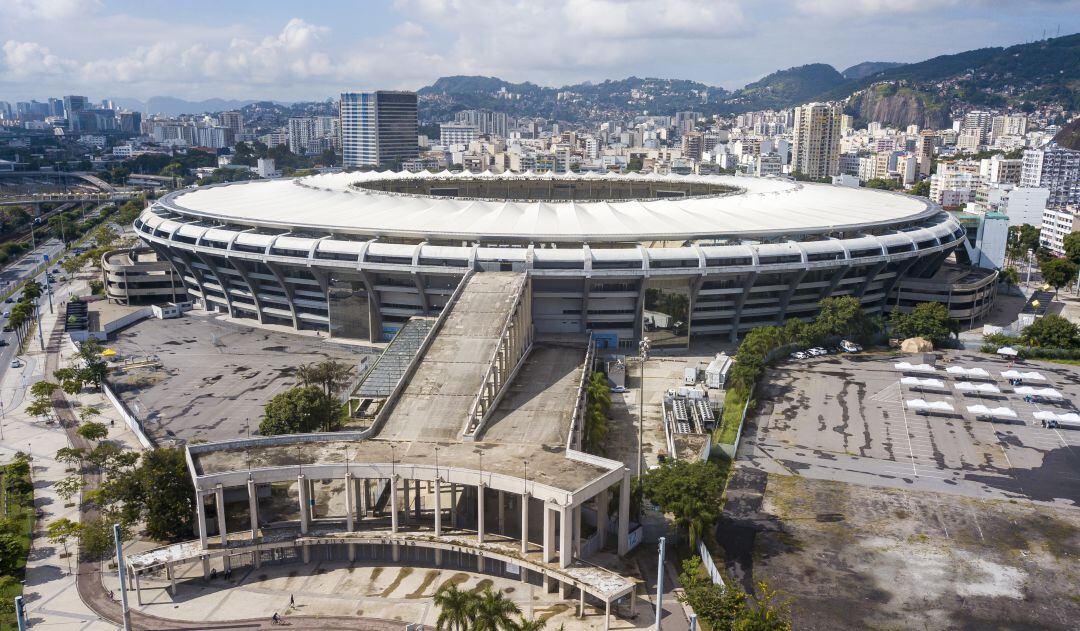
x=290 y=54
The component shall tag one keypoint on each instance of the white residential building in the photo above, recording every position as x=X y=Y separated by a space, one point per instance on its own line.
x=457 y=133
x=816 y=149
x=1056 y=225
x=1023 y=205
x=1056 y=169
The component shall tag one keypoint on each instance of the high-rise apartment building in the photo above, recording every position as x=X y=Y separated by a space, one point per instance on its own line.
x=693 y=145
x=1054 y=168
x=378 y=129
x=1008 y=126
x=457 y=133
x=72 y=106
x=487 y=122
x=924 y=150
x=301 y=132
x=233 y=121
x=816 y=150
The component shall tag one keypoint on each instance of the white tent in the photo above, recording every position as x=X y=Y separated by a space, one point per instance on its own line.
x=1049 y=393
x=1003 y=412
x=988 y=388
x=956 y=370
x=916 y=404
x=965 y=386
x=1044 y=415
x=978 y=409
x=1071 y=417
x=1012 y=374
x=1032 y=376
x=1008 y=351
x=978 y=372
x=969 y=372
x=941 y=406
x=922 y=383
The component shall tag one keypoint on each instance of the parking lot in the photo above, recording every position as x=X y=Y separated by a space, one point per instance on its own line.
x=843 y=418
x=214 y=377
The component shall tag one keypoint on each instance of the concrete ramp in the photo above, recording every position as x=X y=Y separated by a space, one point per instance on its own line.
x=437 y=399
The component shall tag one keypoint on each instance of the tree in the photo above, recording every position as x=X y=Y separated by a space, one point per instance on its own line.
x=767 y=614
x=298 y=410
x=43 y=389
x=168 y=494
x=456 y=608
x=39 y=407
x=69 y=487
x=61 y=531
x=1071 y=245
x=88 y=413
x=921 y=188
x=1057 y=272
x=105 y=236
x=836 y=317
x=93 y=369
x=31 y=291
x=596 y=426
x=720 y=607
x=1010 y=277
x=70 y=455
x=493 y=611
x=1052 y=331
x=93 y=431
x=687 y=490
x=928 y=319
x=536 y=624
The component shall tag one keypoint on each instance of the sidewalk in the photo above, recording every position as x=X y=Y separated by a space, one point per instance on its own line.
x=50 y=594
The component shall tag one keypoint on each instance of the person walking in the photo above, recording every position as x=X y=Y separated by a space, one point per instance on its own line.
x=292 y=600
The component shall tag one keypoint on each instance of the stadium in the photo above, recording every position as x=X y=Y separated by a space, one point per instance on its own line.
x=355 y=255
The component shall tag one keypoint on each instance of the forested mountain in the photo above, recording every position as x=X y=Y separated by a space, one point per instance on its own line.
x=1025 y=76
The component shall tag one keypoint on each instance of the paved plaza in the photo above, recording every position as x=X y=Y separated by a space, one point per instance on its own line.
x=215 y=376
x=843 y=418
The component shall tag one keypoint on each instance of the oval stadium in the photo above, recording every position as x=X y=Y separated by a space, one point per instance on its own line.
x=355 y=255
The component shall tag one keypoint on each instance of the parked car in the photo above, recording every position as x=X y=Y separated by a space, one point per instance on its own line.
x=850 y=346
x=817 y=351
x=9 y=300
x=799 y=355
x=618 y=389
x=16 y=363
x=7 y=328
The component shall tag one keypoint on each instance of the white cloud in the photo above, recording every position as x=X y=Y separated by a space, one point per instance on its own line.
x=27 y=60
x=50 y=9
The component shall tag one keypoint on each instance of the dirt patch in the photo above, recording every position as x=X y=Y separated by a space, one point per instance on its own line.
x=403 y=573
x=893 y=559
x=429 y=578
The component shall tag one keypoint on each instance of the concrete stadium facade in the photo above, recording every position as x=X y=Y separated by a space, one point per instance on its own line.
x=356 y=255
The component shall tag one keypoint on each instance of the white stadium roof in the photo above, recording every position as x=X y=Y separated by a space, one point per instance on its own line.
x=761 y=206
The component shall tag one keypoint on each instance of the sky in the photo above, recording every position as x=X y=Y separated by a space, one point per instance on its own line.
x=294 y=51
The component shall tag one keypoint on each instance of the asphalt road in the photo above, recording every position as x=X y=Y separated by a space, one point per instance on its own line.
x=13 y=274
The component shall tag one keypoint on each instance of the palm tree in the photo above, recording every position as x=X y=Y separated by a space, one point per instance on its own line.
x=695 y=516
x=536 y=624
x=31 y=290
x=456 y=608
x=493 y=612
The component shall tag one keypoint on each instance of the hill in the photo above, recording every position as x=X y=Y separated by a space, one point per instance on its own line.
x=1069 y=136
x=867 y=68
x=786 y=88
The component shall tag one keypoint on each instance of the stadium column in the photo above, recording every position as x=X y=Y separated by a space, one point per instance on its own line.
x=453 y=505
x=438 y=507
x=350 y=523
x=219 y=501
x=305 y=514
x=253 y=515
x=624 y=514
x=549 y=534
x=601 y=500
x=393 y=506
x=524 y=523
x=480 y=512
x=200 y=518
x=566 y=536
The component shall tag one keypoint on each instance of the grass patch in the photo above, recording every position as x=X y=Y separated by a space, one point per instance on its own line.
x=16 y=520
x=731 y=417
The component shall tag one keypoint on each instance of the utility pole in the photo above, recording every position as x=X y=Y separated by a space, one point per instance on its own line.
x=20 y=613
x=123 y=579
x=643 y=351
x=41 y=336
x=660 y=585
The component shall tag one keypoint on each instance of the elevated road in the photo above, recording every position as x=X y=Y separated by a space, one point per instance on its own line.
x=48 y=198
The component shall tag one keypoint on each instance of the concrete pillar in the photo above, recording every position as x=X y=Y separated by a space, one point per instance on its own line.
x=311 y=498
x=219 y=502
x=416 y=499
x=624 y=514
x=138 y=589
x=480 y=513
x=607 y=615
x=549 y=534
x=566 y=535
x=253 y=508
x=200 y=518
x=453 y=505
x=576 y=538
x=438 y=511
x=305 y=516
x=405 y=497
x=581 y=603
x=524 y=525
x=393 y=509
x=602 y=516
x=350 y=523
x=171 y=575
